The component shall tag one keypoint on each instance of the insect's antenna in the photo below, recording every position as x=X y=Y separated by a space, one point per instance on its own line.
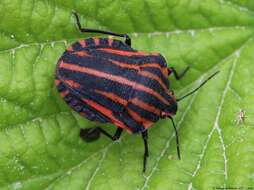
x=193 y=91
x=126 y=36
x=177 y=139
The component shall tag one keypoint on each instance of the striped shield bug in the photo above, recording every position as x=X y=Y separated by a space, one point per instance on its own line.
x=107 y=81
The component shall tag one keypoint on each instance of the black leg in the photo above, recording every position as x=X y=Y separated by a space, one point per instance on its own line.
x=177 y=75
x=92 y=134
x=146 y=153
x=126 y=36
x=177 y=139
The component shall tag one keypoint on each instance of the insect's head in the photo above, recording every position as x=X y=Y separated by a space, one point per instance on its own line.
x=171 y=108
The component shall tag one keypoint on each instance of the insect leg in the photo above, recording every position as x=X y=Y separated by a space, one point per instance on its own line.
x=177 y=75
x=146 y=153
x=177 y=139
x=126 y=36
x=115 y=137
x=92 y=134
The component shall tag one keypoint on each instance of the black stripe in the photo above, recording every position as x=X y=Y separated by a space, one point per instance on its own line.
x=172 y=108
x=144 y=113
x=133 y=125
x=61 y=87
x=157 y=71
x=104 y=42
x=76 y=47
x=89 y=42
x=117 y=44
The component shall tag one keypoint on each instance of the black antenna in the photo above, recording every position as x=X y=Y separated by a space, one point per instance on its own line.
x=193 y=91
x=177 y=139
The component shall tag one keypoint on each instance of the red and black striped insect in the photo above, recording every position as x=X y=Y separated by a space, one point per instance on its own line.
x=107 y=81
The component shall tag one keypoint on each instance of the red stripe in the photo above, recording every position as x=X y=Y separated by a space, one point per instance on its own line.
x=172 y=96
x=113 y=97
x=110 y=41
x=64 y=93
x=72 y=83
x=57 y=82
x=146 y=123
x=135 y=66
x=125 y=53
x=81 y=53
x=164 y=70
x=96 y=41
x=154 y=77
x=125 y=65
x=156 y=65
x=134 y=101
x=107 y=112
x=82 y=43
x=70 y=48
x=114 y=78
x=145 y=106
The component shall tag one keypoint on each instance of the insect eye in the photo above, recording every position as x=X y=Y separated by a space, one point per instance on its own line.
x=169 y=71
x=165 y=71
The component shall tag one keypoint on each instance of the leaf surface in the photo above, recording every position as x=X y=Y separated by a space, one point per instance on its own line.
x=40 y=146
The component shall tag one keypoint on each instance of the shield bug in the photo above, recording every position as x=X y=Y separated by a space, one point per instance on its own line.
x=107 y=81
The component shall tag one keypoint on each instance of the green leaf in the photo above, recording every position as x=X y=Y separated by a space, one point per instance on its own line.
x=40 y=147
